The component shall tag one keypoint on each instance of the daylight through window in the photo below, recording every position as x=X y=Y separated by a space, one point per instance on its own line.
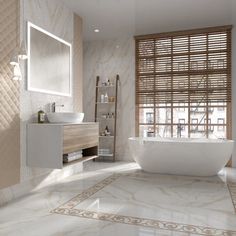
x=184 y=78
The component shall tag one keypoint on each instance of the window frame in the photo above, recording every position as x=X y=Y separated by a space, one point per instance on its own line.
x=228 y=107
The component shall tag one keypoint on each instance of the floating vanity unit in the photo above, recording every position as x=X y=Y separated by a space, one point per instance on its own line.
x=46 y=143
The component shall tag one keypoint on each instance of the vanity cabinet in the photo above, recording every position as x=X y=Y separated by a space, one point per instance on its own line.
x=46 y=143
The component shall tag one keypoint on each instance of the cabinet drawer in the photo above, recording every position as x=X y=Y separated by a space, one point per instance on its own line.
x=77 y=137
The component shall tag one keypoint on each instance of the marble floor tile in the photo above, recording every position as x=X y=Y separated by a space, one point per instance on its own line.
x=119 y=199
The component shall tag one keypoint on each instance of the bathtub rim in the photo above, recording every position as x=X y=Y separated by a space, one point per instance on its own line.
x=181 y=140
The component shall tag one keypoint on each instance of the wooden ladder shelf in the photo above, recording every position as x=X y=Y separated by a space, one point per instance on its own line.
x=106 y=115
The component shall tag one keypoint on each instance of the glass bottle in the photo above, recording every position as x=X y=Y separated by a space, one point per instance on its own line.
x=106 y=98
x=41 y=116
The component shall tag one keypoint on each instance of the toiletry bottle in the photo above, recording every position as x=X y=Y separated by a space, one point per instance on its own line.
x=106 y=97
x=106 y=130
x=41 y=116
x=102 y=98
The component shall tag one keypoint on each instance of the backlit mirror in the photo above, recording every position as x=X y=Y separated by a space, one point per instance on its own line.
x=49 y=62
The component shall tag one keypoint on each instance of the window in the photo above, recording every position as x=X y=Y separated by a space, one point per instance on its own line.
x=149 y=117
x=182 y=122
x=221 y=106
x=220 y=122
x=181 y=107
x=210 y=127
x=194 y=124
x=184 y=76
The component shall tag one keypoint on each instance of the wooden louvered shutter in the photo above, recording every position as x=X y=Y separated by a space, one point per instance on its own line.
x=187 y=67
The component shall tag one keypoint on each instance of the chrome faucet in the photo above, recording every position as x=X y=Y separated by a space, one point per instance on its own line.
x=179 y=129
x=54 y=106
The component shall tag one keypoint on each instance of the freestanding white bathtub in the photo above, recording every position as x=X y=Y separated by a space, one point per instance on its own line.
x=181 y=156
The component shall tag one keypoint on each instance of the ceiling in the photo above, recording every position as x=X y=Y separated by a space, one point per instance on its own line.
x=122 y=18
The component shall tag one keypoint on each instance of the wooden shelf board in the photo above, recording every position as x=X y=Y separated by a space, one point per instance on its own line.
x=106 y=136
x=105 y=103
x=101 y=118
x=105 y=155
x=108 y=86
x=83 y=159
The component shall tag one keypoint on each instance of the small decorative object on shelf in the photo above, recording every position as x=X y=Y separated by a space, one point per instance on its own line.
x=102 y=98
x=67 y=158
x=41 y=116
x=106 y=132
x=106 y=99
x=111 y=99
x=107 y=83
x=106 y=115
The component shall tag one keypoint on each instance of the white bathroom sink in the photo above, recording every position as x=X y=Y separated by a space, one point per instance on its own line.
x=65 y=117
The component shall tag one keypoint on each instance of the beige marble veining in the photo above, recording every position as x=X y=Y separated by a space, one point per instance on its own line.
x=106 y=59
x=9 y=96
x=233 y=8
x=53 y=16
x=34 y=215
x=202 y=206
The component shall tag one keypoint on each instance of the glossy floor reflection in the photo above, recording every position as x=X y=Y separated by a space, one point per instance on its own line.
x=167 y=198
x=176 y=200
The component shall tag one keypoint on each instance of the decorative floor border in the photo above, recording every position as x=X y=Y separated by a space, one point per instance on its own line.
x=90 y=191
x=68 y=209
x=232 y=191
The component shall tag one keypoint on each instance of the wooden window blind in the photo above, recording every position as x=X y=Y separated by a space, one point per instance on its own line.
x=186 y=69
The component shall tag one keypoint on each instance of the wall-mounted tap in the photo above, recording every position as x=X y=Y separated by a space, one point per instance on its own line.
x=179 y=129
x=53 y=107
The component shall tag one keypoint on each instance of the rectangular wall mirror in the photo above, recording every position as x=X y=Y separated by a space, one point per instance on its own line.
x=49 y=62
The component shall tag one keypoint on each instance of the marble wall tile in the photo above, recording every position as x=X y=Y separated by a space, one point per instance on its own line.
x=233 y=8
x=57 y=19
x=106 y=59
x=53 y=16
